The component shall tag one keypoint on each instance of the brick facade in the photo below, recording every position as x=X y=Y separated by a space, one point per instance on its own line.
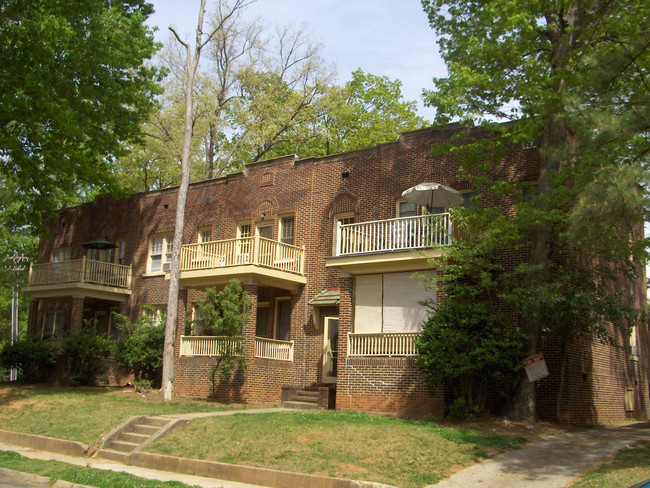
x=364 y=183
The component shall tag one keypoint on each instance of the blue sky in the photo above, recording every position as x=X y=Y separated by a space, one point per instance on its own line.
x=382 y=37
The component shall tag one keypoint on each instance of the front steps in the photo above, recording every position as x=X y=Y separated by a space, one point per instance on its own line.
x=314 y=397
x=134 y=434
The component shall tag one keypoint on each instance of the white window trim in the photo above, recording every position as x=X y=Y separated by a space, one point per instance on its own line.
x=56 y=314
x=165 y=253
x=335 y=221
x=282 y=225
x=60 y=254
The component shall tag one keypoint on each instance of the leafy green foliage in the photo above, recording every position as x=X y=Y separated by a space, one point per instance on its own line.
x=73 y=91
x=84 y=350
x=34 y=357
x=224 y=314
x=572 y=78
x=140 y=347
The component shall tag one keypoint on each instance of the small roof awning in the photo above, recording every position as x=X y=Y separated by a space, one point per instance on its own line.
x=329 y=297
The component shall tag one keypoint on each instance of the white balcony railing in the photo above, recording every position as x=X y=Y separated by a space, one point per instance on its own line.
x=213 y=346
x=273 y=349
x=389 y=344
x=248 y=250
x=419 y=232
x=210 y=346
x=81 y=271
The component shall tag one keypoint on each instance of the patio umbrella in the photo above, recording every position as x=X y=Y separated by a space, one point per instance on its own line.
x=101 y=244
x=433 y=195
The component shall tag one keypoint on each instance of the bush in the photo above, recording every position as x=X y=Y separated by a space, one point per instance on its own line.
x=85 y=350
x=468 y=349
x=140 y=348
x=33 y=357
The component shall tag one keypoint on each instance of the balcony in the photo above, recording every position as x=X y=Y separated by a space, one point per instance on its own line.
x=80 y=277
x=271 y=263
x=402 y=244
x=397 y=344
x=212 y=346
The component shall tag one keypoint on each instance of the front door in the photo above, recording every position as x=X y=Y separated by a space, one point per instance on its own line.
x=330 y=349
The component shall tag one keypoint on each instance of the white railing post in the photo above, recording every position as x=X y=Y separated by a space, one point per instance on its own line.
x=83 y=269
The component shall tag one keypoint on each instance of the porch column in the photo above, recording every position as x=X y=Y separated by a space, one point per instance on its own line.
x=252 y=288
x=76 y=314
x=346 y=318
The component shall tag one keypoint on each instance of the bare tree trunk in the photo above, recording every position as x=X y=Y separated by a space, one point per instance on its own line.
x=191 y=64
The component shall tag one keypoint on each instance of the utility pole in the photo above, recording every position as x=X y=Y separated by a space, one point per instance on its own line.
x=17 y=264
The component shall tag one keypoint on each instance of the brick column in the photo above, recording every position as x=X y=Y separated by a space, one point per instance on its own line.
x=252 y=288
x=346 y=318
x=76 y=314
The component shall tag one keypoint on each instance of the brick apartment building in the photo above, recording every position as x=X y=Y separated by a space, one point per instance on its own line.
x=326 y=248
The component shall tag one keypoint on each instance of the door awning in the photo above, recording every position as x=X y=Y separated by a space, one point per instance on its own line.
x=329 y=297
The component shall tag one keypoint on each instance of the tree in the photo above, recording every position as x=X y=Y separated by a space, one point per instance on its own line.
x=74 y=90
x=192 y=62
x=224 y=315
x=466 y=344
x=573 y=75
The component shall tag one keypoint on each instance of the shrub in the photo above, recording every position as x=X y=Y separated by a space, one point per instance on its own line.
x=140 y=348
x=33 y=357
x=84 y=350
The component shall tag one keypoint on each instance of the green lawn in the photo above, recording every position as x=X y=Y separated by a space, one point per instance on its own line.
x=628 y=467
x=79 y=414
x=338 y=444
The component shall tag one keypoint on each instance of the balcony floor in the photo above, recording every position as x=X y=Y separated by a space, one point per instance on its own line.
x=219 y=276
x=384 y=262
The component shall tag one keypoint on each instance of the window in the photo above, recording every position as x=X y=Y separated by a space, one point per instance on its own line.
x=53 y=325
x=244 y=230
x=120 y=252
x=262 y=327
x=467 y=199
x=160 y=252
x=282 y=319
x=205 y=234
x=265 y=229
x=405 y=209
x=198 y=325
x=61 y=254
x=156 y=314
x=286 y=229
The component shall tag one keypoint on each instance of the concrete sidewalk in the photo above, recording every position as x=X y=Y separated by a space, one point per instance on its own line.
x=550 y=463
x=113 y=466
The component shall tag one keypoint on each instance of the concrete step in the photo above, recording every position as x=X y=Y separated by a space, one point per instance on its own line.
x=154 y=421
x=111 y=455
x=134 y=437
x=306 y=396
x=122 y=446
x=147 y=430
x=301 y=405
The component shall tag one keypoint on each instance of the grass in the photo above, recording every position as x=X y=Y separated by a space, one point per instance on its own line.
x=338 y=444
x=79 y=414
x=56 y=470
x=626 y=468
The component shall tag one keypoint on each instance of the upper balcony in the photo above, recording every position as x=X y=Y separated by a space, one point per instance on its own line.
x=80 y=277
x=402 y=244
x=271 y=263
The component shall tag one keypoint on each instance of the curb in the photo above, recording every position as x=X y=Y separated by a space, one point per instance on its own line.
x=50 y=444
x=209 y=469
x=41 y=480
x=243 y=474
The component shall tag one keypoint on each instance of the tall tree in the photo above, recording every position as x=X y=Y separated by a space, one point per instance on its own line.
x=73 y=89
x=191 y=64
x=573 y=74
